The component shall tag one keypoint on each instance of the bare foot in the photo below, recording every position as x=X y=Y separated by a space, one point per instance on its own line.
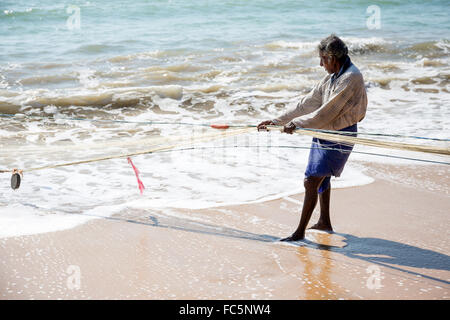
x=322 y=226
x=293 y=237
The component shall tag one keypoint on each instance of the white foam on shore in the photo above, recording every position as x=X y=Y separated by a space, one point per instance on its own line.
x=353 y=177
x=19 y=220
x=24 y=219
x=64 y=198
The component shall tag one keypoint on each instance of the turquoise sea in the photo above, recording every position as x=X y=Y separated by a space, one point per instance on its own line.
x=199 y=61
x=34 y=31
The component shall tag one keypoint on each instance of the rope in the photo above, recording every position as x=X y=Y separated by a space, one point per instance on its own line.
x=321 y=148
x=212 y=137
x=153 y=141
x=161 y=148
x=379 y=134
x=5 y=115
x=310 y=132
x=368 y=142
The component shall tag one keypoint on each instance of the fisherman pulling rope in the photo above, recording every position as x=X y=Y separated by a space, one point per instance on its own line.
x=329 y=113
x=337 y=102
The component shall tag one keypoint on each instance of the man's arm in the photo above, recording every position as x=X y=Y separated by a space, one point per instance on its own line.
x=334 y=106
x=309 y=103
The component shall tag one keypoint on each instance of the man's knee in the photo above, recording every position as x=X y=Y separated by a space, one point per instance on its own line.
x=312 y=183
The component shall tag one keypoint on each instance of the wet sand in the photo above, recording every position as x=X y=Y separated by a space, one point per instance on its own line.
x=391 y=241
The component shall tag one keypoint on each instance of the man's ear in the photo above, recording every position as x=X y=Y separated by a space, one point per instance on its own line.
x=334 y=61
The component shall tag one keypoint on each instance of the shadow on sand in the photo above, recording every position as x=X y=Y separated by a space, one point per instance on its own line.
x=391 y=254
x=386 y=253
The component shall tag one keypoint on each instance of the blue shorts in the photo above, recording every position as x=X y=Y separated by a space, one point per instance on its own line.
x=323 y=162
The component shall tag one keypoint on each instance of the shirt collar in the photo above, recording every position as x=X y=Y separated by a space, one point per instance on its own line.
x=344 y=68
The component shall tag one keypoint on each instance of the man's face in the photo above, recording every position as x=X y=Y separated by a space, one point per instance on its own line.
x=326 y=62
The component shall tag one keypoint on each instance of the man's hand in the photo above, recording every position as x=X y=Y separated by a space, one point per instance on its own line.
x=263 y=125
x=289 y=128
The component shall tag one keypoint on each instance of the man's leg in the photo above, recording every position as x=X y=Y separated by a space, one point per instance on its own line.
x=311 y=194
x=324 y=222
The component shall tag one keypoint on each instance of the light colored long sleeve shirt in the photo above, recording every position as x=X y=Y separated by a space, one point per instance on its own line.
x=331 y=105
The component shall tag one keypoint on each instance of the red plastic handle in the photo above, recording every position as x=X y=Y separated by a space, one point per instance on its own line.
x=220 y=126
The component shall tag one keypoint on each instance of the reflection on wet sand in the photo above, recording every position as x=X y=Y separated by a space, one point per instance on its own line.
x=318 y=266
x=317 y=283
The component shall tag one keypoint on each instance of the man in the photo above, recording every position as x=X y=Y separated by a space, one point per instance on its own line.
x=337 y=102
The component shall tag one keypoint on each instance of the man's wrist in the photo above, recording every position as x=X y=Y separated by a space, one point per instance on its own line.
x=297 y=123
x=291 y=125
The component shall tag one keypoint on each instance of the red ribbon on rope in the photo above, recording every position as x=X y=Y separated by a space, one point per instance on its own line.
x=136 y=171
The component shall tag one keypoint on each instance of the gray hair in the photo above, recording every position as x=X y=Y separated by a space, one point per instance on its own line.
x=333 y=46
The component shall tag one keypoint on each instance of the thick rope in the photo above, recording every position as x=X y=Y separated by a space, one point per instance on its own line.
x=368 y=142
x=11 y=116
x=321 y=135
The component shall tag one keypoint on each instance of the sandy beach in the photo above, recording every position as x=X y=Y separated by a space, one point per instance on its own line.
x=391 y=241
x=115 y=114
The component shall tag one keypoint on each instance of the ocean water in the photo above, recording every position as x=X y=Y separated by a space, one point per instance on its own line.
x=198 y=62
